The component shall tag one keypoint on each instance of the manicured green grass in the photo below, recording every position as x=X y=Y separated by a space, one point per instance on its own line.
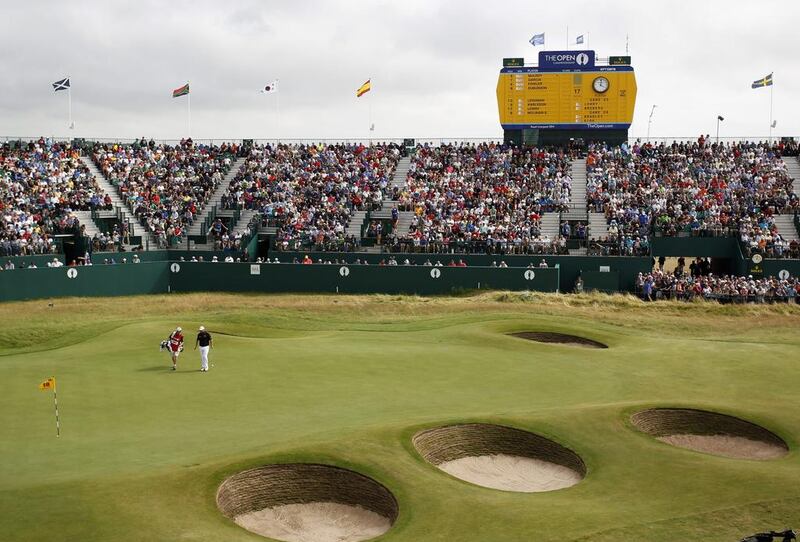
x=349 y=380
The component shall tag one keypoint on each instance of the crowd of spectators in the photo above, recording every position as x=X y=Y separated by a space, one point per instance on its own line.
x=697 y=281
x=309 y=192
x=724 y=288
x=165 y=186
x=697 y=188
x=486 y=197
x=42 y=183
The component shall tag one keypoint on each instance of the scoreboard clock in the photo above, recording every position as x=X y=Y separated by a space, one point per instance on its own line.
x=600 y=84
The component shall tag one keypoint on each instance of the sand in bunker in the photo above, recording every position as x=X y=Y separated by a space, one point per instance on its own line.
x=726 y=446
x=511 y=473
x=315 y=522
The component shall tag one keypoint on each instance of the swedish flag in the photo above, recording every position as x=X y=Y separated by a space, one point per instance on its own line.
x=765 y=82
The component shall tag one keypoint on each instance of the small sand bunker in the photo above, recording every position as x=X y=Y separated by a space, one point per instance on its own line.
x=711 y=433
x=308 y=503
x=500 y=457
x=559 y=338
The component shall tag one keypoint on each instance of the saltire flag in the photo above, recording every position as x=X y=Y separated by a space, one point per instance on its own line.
x=270 y=87
x=61 y=85
x=182 y=91
x=579 y=40
x=765 y=82
x=363 y=89
x=537 y=39
x=48 y=384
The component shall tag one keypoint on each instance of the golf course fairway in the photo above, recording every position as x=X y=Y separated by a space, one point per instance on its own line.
x=348 y=381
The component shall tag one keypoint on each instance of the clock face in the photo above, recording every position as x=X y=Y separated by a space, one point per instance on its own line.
x=757 y=258
x=600 y=84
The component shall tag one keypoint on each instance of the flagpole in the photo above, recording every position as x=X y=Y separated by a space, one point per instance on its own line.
x=277 y=112
x=567 y=37
x=771 y=87
x=189 y=108
x=55 y=402
x=69 y=101
x=369 y=108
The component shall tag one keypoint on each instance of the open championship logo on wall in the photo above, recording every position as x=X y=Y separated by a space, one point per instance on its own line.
x=582 y=59
x=435 y=273
x=72 y=273
x=175 y=268
x=344 y=271
x=529 y=274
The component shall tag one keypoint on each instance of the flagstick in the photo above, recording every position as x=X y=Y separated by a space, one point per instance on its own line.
x=55 y=402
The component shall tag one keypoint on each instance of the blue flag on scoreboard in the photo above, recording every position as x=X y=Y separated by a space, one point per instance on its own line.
x=537 y=39
x=765 y=82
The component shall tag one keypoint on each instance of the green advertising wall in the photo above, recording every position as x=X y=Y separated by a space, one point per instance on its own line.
x=776 y=268
x=192 y=277
x=712 y=247
x=163 y=277
x=570 y=266
x=100 y=280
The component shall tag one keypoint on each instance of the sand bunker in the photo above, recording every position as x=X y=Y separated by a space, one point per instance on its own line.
x=711 y=433
x=315 y=522
x=559 y=338
x=500 y=457
x=308 y=503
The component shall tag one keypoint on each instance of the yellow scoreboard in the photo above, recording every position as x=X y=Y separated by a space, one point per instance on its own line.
x=596 y=97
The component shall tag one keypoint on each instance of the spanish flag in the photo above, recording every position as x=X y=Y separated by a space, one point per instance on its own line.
x=49 y=384
x=363 y=89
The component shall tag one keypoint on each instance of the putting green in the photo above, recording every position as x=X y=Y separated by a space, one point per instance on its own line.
x=348 y=381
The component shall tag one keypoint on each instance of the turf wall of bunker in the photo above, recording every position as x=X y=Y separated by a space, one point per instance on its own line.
x=105 y=280
x=570 y=266
x=233 y=277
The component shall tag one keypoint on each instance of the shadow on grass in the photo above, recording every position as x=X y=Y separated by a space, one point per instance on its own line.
x=167 y=369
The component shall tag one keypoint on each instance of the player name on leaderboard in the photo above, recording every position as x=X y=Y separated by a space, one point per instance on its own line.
x=577 y=93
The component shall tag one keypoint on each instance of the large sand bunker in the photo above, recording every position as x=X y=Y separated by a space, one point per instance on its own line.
x=500 y=457
x=308 y=503
x=710 y=432
x=558 y=338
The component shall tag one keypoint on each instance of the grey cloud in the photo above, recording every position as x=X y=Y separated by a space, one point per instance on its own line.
x=434 y=64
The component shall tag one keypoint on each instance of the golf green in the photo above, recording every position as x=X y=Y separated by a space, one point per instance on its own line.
x=348 y=381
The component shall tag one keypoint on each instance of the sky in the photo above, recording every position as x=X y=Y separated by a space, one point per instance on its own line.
x=433 y=64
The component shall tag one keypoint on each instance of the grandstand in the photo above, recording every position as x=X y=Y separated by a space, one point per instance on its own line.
x=734 y=203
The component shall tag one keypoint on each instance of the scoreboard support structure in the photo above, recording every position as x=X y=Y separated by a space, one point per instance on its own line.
x=536 y=137
x=567 y=96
